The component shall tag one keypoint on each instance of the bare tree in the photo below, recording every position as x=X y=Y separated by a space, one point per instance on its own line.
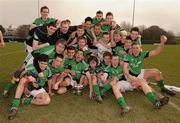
x=22 y=31
x=126 y=25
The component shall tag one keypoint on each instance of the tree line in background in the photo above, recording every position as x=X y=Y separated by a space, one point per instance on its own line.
x=149 y=34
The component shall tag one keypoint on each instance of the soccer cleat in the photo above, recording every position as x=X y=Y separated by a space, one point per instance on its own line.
x=5 y=94
x=164 y=100
x=161 y=102
x=12 y=113
x=98 y=98
x=125 y=110
x=169 y=92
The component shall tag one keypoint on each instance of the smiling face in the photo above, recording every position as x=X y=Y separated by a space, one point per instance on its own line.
x=42 y=65
x=44 y=13
x=99 y=17
x=136 y=49
x=51 y=30
x=81 y=43
x=106 y=38
x=115 y=61
x=107 y=60
x=59 y=48
x=93 y=64
x=64 y=27
x=134 y=35
x=79 y=56
x=57 y=62
x=70 y=53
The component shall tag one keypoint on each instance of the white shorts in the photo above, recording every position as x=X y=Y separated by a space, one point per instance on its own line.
x=125 y=86
x=141 y=75
x=36 y=92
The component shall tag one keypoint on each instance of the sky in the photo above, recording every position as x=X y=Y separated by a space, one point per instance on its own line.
x=165 y=13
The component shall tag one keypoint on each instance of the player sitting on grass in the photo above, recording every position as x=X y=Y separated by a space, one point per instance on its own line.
x=102 y=76
x=91 y=77
x=35 y=83
x=115 y=74
x=50 y=51
x=135 y=61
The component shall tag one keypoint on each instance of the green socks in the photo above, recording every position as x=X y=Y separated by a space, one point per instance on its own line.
x=16 y=102
x=160 y=83
x=9 y=86
x=106 y=88
x=27 y=101
x=122 y=102
x=96 y=89
x=152 y=98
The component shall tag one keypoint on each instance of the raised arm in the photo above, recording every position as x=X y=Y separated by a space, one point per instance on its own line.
x=158 y=50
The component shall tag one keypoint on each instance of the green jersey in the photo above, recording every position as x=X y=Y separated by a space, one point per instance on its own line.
x=136 y=62
x=95 y=21
x=115 y=72
x=102 y=67
x=58 y=70
x=33 y=71
x=68 y=62
x=79 y=68
x=40 y=21
x=49 y=50
x=121 y=52
x=99 y=36
x=86 y=50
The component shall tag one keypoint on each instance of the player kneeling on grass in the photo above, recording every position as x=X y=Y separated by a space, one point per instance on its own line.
x=35 y=83
x=135 y=61
x=91 y=75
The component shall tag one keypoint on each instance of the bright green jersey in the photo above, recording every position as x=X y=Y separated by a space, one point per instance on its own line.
x=102 y=67
x=136 y=62
x=121 y=52
x=90 y=35
x=40 y=21
x=58 y=70
x=41 y=81
x=68 y=62
x=79 y=68
x=95 y=21
x=115 y=72
x=49 y=50
x=86 y=50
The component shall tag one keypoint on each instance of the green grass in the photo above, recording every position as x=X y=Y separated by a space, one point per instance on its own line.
x=69 y=108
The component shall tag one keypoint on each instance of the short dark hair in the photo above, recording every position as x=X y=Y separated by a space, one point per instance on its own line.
x=106 y=33
x=128 y=38
x=70 y=48
x=44 y=7
x=136 y=29
x=88 y=19
x=52 y=24
x=99 y=12
x=106 y=54
x=82 y=38
x=109 y=14
x=59 y=56
x=93 y=58
x=43 y=58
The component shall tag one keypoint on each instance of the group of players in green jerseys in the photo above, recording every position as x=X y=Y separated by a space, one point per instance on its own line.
x=97 y=54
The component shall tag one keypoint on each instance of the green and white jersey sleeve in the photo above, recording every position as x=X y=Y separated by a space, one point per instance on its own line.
x=136 y=62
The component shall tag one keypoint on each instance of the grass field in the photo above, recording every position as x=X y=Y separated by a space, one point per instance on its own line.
x=69 y=108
